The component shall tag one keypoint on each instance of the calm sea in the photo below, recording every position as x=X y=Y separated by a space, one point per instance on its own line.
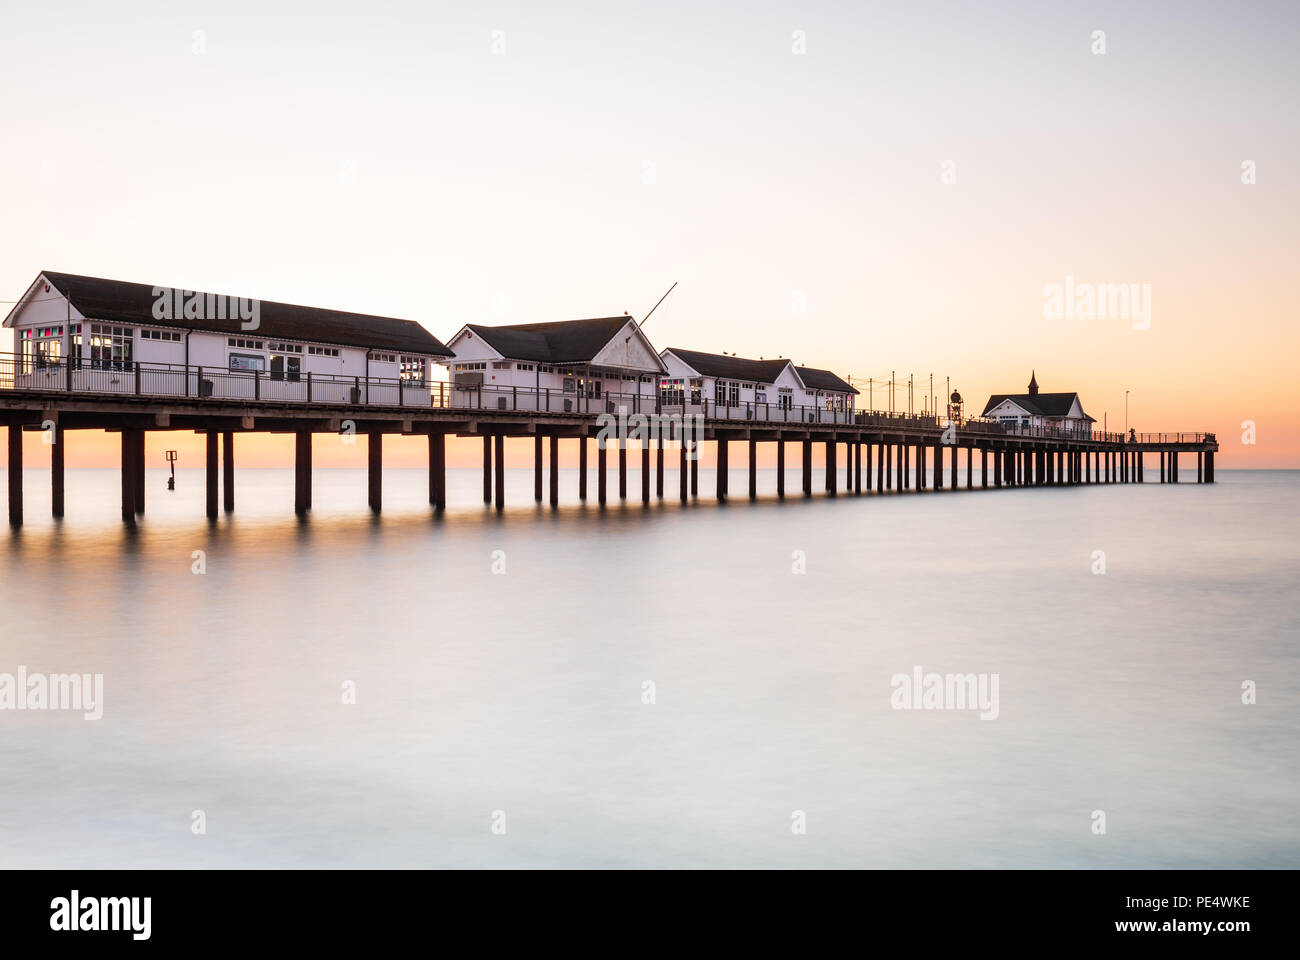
x=502 y=665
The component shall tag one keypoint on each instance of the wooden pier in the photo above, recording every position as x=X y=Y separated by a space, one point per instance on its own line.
x=907 y=452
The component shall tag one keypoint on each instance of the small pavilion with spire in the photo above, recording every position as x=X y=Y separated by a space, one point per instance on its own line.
x=1060 y=411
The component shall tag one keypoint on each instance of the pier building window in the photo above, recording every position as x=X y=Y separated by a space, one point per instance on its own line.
x=784 y=398
x=384 y=357
x=41 y=347
x=321 y=351
x=672 y=392
x=173 y=336
x=413 y=371
x=243 y=344
x=74 y=352
x=697 y=390
x=111 y=348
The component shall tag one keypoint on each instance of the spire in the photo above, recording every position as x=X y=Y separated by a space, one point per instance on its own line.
x=1033 y=384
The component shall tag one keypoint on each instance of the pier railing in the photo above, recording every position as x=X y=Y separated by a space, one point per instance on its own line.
x=145 y=379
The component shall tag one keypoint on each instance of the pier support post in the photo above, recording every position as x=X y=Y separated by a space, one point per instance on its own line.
x=832 y=476
x=807 y=468
x=601 y=481
x=15 y=465
x=659 y=467
x=537 y=468
x=128 y=476
x=952 y=470
x=645 y=468
x=720 y=474
x=138 y=472
x=499 y=455
x=683 y=469
x=984 y=468
x=56 y=473
x=867 y=449
x=211 y=441
x=228 y=471
x=582 y=468
x=753 y=469
x=695 y=463
x=1173 y=467
x=1200 y=467
x=438 y=470
x=622 y=468
x=997 y=468
x=554 y=466
x=1209 y=466
x=302 y=472
x=487 y=469
x=905 y=468
x=880 y=465
x=1141 y=468
x=938 y=465
x=857 y=466
x=780 y=469
x=375 y=470
x=888 y=455
x=848 y=466
x=970 y=463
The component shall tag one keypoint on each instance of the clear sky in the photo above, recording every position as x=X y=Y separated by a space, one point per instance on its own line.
x=491 y=163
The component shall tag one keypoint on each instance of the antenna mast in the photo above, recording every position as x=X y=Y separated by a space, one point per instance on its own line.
x=656 y=306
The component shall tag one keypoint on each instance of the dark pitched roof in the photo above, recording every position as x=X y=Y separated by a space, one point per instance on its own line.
x=119 y=302
x=731 y=368
x=823 y=380
x=1042 y=404
x=564 y=341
